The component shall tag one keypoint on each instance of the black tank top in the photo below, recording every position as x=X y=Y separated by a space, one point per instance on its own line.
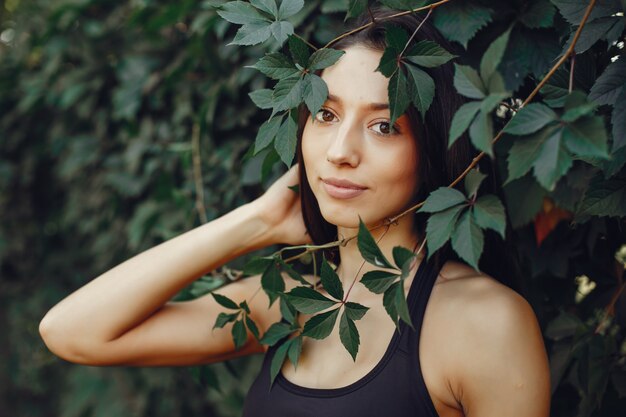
x=394 y=387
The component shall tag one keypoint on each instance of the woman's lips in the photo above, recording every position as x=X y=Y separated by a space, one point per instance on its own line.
x=342 y=192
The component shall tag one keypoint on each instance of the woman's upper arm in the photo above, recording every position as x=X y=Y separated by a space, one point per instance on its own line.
x=504 y=367
x=181 y=333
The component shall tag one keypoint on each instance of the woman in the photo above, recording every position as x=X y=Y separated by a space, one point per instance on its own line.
x=481 y=351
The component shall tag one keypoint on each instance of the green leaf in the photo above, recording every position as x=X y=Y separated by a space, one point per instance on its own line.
x=573 y=10
x=349 y=335
x=251 y=325
x=538 y=14
x=441 y=199
x=481 y=133
x=281 y=31
x=321 y=325
x=278 y=359
x=225 y=301
x=587 y=137
x=295 y=275
x=378 y=281
x=389 y=302
x=289 y=7
x=266 y=134
x=459 y=21
x=252 y=34
x=489 y=214
x=286 y=138
x=395 y=36
x=440 y=226
x=307 y=300
x=526 y=150
x=241 y=13
x=272 y=282
x=276 y=66
x=468 y=83
x=564 y=325
x=617 y=119
x=262 y=98
x=552 y=162
x=369 y=249
x=493 y=56
x=355 y=311
x=524 y=200
x=240 y=335
x=429 y=54
x=609 y=85
x=299 y=50
x=355 y=8
x=330 y=281
x=256 y=265
x=473 y=179
x=401 y=305
x=401 y=256
x=530 y=119
x=244 y=306
x=468 y=240
x=462 y=120
x=422 y=89
x=275 y=333
x=315 y=92
x=577 y=106
x=324 y=58
x=604 y=198
x=295 y=348
x=287 y=310
x=388 y=64
x=224 y=318
x=288 y=93
x=398 y=96
x=268 y=6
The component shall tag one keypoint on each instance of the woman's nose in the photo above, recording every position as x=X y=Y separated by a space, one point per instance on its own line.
x=345 y=145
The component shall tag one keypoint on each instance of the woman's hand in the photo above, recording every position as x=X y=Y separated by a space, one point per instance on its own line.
x=280 y=209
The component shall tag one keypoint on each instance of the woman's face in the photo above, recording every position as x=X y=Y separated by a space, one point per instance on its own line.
x=350 y=139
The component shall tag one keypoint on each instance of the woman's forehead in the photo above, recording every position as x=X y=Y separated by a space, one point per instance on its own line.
x=353 y=80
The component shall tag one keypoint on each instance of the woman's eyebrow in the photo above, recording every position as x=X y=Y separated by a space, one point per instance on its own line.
x=370 y=106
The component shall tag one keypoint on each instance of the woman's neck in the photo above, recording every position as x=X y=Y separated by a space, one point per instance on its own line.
x=352 y=263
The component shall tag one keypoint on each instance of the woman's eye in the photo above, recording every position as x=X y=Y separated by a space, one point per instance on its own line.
x=385 y=129
x=324 y=116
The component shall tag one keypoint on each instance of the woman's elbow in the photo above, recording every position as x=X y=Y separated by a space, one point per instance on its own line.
x=62 y=344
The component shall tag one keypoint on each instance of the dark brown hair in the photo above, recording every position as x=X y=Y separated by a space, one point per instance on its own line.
x=438 y=166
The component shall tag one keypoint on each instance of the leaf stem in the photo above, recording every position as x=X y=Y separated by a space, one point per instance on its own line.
x=315 y=48
x=415 y=33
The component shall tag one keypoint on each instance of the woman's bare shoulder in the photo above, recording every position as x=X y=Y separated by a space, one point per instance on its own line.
x=500 y=345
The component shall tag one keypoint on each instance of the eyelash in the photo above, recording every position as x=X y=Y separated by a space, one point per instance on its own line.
x=395 y=130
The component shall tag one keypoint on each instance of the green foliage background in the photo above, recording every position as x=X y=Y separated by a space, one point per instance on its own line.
x=103 y=105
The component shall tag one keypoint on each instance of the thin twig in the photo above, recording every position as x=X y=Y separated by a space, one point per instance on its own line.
x=315 y=48
x=571 y=72
x=415 y=32
x=381 y=19
x=197 y=172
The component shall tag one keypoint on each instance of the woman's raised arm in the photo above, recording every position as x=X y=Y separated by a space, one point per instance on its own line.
x=124 y=316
